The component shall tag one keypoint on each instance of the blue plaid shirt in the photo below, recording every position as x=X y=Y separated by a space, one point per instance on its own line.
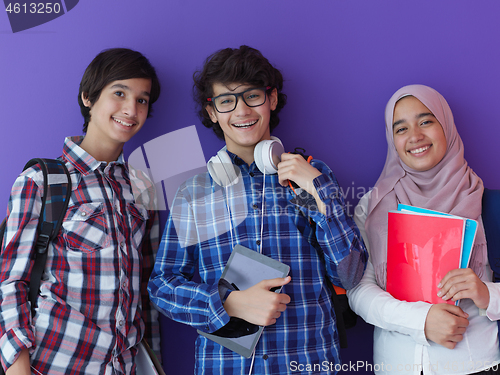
x=204 y=224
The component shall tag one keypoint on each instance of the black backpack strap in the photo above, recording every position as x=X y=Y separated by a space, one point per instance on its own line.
x=344 y=316
x=55 y=199
x=339 y=305
x=2 y=231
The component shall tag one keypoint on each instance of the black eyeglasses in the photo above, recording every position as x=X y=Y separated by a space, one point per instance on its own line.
x=252 y=97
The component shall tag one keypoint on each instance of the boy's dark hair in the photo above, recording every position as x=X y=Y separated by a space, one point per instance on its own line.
x=244 y=65
x=112 y=65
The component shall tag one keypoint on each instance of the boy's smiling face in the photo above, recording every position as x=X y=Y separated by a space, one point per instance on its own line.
x=118 y=114
x=245 y=126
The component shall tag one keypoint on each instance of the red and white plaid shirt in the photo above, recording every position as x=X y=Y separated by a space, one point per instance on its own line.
x=93 y=306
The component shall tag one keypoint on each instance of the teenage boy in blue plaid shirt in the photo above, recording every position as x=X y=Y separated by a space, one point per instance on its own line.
x=262 y=213
x=93 y=308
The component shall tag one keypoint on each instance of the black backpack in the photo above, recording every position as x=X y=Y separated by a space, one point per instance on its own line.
x=491 y=222
x=55 y=199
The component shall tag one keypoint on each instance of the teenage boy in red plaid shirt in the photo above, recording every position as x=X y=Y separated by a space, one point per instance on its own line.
x=91 y=312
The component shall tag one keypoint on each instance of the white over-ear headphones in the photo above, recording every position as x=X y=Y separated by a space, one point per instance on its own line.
x=267 y=155
x=222 y=170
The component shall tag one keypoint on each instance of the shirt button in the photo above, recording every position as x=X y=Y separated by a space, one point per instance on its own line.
x=251 y=174
x=83 y=214
x=265 y=356
x=120 y=323
x=257 y=242
x=255 y=206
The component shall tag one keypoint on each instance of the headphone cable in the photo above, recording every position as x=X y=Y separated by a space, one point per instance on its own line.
x=230 y=215
x=262 y=211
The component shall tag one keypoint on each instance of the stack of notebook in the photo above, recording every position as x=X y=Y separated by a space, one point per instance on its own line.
x=422 y=247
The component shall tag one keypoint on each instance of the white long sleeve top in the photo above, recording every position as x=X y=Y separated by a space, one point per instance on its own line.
x=400 y=344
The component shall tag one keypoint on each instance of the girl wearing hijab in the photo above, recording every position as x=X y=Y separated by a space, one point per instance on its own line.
x=425 y=167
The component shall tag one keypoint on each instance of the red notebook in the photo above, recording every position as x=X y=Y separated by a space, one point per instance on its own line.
x=421 y=249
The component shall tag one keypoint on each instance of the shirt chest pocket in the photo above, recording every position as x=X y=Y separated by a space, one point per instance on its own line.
x=137 y=216
x=85 y=228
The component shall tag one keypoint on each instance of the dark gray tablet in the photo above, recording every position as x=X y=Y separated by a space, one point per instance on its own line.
x=244 y=269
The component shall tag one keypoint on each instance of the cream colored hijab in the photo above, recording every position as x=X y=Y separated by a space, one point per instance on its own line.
x=451 y=186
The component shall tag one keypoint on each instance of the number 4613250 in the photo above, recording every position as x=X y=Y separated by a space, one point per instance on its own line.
x=33 y=8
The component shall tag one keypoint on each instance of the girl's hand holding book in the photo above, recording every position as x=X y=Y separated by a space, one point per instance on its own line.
x=463 y=283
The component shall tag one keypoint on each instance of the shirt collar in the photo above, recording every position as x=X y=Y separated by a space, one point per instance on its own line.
x=81 y=159
x=235 y=158
x=242 y=164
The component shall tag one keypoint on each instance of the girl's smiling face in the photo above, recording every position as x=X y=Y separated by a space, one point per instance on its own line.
x=418 y=136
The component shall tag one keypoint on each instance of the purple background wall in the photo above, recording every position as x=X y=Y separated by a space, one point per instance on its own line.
x=342 y=60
